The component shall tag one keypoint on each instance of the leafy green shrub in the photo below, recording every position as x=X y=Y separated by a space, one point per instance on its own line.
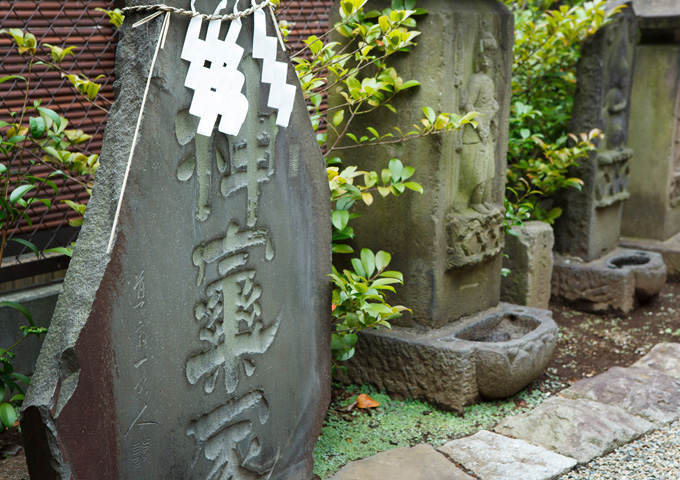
x=36 y=136
x=12 y=384
x=541 y=150
x=359 y=300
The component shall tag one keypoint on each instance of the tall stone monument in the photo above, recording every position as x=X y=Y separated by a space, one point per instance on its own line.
x=178 y=355
x=459 y=343
x=651 y=218
x=590 y=272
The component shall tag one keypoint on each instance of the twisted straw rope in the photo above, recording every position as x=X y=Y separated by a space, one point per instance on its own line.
x=189 y=13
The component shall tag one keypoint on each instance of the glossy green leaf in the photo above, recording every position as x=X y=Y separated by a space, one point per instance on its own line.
x=382 y=259
x=13 y=77
x=36 y=127
x=19 y=192
x=359 y=267
x=340 y=218
x=368 y=261
x=429 y=114
x=8 y=414
x=342 y=248
x=28 y=245
x=338 y=117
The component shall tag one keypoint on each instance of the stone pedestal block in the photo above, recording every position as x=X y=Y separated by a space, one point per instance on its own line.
x=490 y=355
x=529 y=258
x=615 y=282
x=591 y=221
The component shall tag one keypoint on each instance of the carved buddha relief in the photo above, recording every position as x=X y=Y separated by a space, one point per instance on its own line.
x=474 y=224
x=477 y=160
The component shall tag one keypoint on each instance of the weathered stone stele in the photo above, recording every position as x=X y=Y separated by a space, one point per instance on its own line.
x=591 y=221
x=651 y=219
x=199 y=348
x=448 y=241
x=591 y=272
x=459 y=345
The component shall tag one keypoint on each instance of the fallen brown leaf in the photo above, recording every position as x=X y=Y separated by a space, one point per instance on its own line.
x=364 y=401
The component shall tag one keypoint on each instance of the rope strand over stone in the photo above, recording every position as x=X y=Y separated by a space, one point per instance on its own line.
x=188 y=13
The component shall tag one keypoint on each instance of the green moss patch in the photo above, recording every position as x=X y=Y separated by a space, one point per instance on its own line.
x=348 y=436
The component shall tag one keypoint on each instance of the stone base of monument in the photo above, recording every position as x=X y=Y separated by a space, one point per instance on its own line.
x=669 y=250
x=616 y=282
x=529 y=257
x=489 y=355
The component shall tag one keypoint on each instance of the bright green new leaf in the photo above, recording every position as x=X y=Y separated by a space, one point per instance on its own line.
x=342 y=248
x=414 y=186
x=393 y=274
x=19 y=192
x=377 y=308
x=12 y=77
x=429 y=114
x=61 y=250
x=382 y=259
x=338 y=117
x=368 y=261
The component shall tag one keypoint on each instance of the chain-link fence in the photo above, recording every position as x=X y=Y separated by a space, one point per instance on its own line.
x=78 y=23
x=59 y=23
x=307 y=17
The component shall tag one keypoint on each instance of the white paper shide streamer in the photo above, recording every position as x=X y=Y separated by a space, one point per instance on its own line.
x=214 y=77
x=281 y=95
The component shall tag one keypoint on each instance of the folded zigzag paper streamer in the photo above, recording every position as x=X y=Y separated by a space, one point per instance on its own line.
x=281 y=95
x=214 y=77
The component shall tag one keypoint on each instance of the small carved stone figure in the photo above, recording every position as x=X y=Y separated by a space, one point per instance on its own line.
x=615 y=107
x=478 y=152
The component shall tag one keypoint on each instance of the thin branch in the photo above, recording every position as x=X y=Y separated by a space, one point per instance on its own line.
x=391 y=142
x=358 y=69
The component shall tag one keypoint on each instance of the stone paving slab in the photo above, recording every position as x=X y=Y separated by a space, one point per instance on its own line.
x=581 y=429
x=664 y=357
x=494 y=457
x=421 y=462
x=646 y=393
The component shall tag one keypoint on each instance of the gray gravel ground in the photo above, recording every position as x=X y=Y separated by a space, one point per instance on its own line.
x=654 y=457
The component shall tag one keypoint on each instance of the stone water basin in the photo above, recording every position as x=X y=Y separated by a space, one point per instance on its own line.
x=648 y=269
x=492 y=354
x=511 y=346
